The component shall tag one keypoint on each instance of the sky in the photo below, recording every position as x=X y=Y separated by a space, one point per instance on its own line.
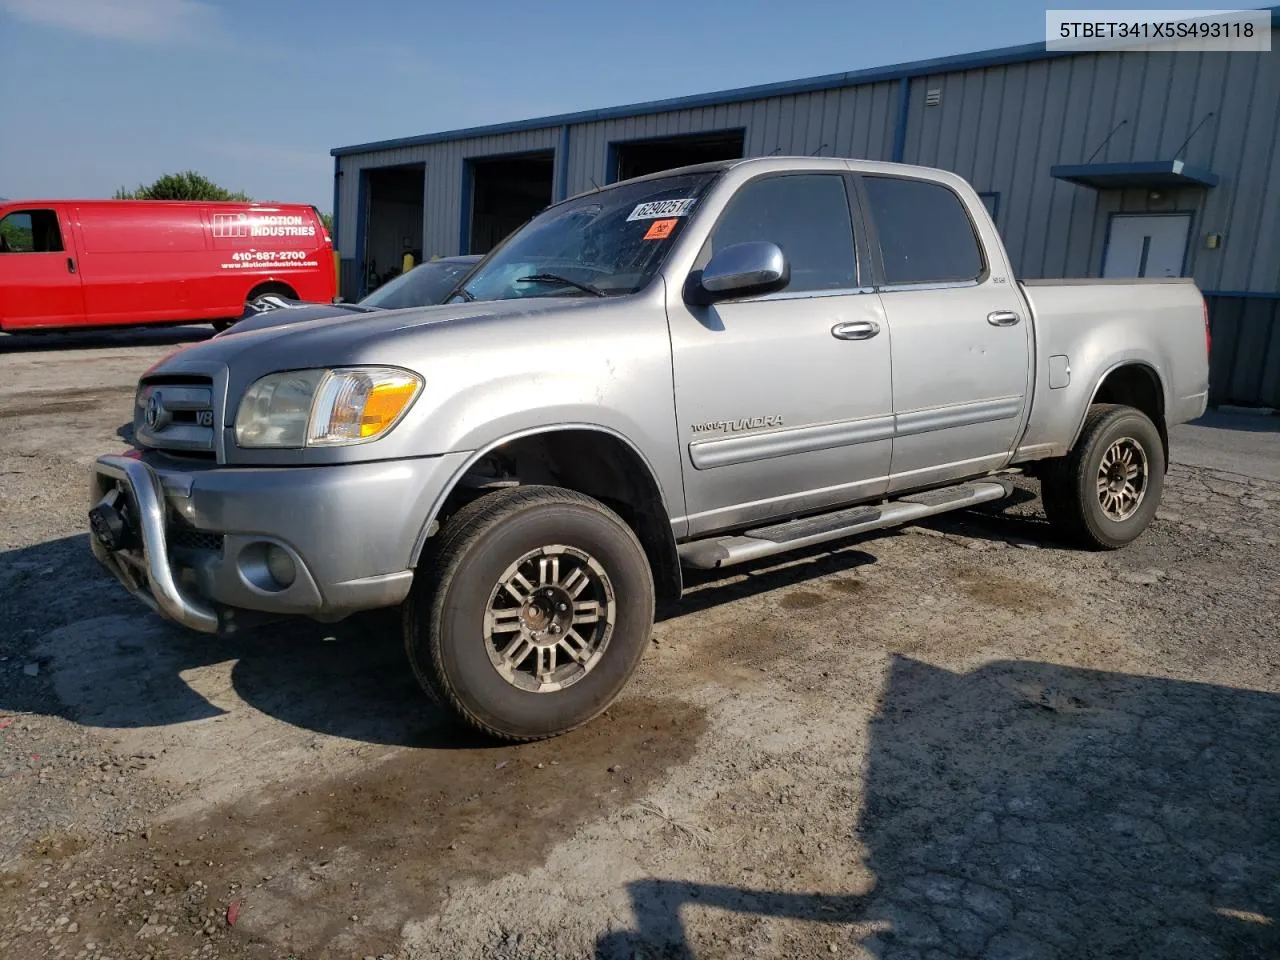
x=99 y=94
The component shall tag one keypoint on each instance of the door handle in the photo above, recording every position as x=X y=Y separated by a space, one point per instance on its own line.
x=1002 y=318
x=855 y=330
x=71 y=264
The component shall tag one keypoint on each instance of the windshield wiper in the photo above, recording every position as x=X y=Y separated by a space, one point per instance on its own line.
x=556 y=278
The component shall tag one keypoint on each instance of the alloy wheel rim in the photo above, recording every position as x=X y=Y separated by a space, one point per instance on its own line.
x=1122 y=479
x=549 y=618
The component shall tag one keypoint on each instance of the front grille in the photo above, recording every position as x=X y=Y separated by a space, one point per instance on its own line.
x=182 y=535
x=176 y=414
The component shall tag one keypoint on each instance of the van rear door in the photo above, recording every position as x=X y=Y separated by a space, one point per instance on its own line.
x=40 y=282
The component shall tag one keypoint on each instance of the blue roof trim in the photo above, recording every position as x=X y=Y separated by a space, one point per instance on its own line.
x=1256 y=294
x=1144 y=173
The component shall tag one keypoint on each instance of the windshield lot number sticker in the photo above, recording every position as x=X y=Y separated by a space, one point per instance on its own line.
x=661 y=229
x=662 y=208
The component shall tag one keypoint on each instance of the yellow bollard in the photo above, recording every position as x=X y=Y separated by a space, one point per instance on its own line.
x=337 y=275
x=407 y=264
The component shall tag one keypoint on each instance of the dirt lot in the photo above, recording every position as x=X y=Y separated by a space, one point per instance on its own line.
x=959 y=741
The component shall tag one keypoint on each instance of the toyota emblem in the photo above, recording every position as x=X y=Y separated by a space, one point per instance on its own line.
x=155 y=411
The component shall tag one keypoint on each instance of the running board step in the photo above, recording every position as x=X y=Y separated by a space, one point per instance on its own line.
x=794 y=534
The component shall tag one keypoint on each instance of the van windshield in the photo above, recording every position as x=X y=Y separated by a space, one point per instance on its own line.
x=606 y=243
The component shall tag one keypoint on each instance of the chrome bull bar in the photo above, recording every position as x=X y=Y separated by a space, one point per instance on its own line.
x=145 y=573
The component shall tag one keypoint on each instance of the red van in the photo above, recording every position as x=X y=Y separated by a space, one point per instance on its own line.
x=99 y=263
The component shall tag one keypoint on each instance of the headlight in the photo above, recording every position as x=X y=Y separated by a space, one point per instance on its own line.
x=318 y=408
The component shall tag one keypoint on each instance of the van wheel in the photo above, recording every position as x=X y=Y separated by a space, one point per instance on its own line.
x=279 y=289
x=532 y=613
x=1105 y=492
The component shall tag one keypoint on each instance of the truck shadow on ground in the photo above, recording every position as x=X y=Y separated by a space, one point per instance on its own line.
x=1017 y=519
x=1029 y=810
x=112 y=664
x=104 y=661
x=100 y=339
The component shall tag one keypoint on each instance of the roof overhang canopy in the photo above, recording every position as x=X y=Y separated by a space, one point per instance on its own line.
x=1146 y=174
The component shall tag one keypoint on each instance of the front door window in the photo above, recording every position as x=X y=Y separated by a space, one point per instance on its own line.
x=30 y=231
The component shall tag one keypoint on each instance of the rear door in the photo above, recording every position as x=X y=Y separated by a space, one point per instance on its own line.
x=783 y=399
x=39 y=273
x=961 y=337
x=138 y=259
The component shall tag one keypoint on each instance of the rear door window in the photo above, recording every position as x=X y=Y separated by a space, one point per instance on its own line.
x=806 y=215
x=925 y=233
x=30 y=231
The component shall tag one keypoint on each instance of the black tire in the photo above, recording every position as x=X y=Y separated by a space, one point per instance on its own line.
x=1069 y=487
x=279 y=289
x=444 y=618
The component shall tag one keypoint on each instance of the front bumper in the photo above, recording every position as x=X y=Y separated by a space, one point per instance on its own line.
x=194 y=538
x=142 y=561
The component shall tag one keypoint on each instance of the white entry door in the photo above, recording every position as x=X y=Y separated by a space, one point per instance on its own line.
x=1140 y=246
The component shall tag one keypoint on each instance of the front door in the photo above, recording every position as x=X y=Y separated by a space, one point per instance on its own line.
x=1145 y=246
x=961 y=339
x=783 y=399
x=39 y=276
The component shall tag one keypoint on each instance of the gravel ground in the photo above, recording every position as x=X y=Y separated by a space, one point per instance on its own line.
x=961 y=740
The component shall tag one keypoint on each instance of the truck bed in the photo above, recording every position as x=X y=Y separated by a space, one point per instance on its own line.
x=1157 y=322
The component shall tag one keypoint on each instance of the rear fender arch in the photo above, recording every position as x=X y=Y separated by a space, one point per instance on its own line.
x=1102 y=392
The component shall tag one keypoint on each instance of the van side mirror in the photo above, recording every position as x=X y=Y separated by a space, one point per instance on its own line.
x=741 y=269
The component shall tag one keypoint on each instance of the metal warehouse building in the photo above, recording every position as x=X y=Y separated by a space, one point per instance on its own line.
x=1094 y=164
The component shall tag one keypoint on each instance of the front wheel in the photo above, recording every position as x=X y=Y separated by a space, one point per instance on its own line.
x=1105 y=492
x=532 y=614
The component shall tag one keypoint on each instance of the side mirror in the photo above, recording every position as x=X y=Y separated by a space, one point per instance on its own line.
x=739 y=270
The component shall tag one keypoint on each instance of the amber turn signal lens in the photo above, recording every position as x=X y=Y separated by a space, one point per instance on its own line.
x=385 y=403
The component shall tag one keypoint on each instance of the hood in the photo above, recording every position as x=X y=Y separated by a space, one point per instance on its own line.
x=291 y=313
x=382 y=336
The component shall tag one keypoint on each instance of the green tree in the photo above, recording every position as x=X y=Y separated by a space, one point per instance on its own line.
x=14 y=237
x=327 y=220
x=188 y=185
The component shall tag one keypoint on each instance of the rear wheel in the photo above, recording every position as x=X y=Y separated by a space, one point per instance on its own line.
x=1105 y=492
x=262 y=290
x=532 y=614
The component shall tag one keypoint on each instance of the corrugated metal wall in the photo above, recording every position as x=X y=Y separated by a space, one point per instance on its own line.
x=852 y=122
x=1245 y=360
x=442 y=204
x=1002 y=127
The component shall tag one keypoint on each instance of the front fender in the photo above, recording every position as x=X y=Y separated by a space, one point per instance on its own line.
x=464 y=466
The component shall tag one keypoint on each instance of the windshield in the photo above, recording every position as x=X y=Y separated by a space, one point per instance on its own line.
x=606 y=243
x=425 y=285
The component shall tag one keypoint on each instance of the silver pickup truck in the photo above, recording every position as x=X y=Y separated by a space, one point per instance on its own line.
x=693 y=369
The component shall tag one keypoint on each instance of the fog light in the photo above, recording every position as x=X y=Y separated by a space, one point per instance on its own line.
x=280 y=565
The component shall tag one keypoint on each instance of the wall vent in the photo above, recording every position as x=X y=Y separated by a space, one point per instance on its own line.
x=933 y=97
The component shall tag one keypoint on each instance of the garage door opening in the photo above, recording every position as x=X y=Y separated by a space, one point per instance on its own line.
x=636 y=158
x=393 y=225
x=505 y=192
